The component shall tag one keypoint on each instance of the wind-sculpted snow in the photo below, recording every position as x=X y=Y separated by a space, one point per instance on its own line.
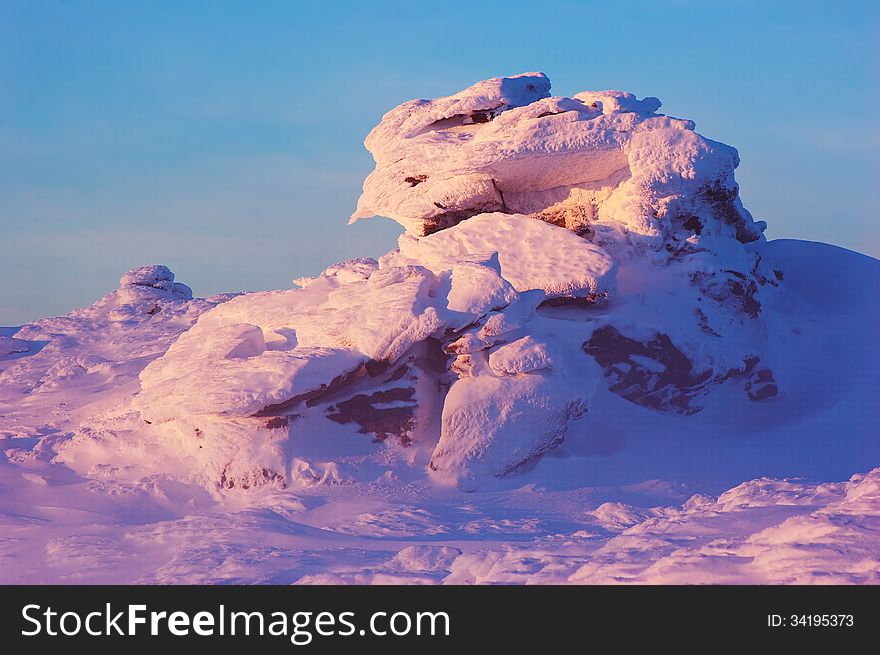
x=158 y=278
x=62 y=363
x=600 y=163
x=761 y=532
x=582 y=328
x=365 y=334
x=558 y=262
x=647 y=194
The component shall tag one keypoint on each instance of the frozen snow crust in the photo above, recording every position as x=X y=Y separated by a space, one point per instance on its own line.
x=580 y=304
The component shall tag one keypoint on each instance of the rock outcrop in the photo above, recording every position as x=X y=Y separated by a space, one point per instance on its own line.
x=553 y=245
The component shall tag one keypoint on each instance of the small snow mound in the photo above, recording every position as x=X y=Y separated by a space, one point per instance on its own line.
x=763 y=492
x=156 y=278
x=521 y=356
x=425 y=558
x=476 y=104
x=155 y=275
x=353 y=270
x=610 y=102
x=865 y=487
x=616 y=516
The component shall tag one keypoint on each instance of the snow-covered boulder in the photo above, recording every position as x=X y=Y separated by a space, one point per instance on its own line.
x=582 y=326
x=154 y=281
x=522 y=356
x=649 y=205
x=494 y=425
x=154 y=276
x=601 y=163
x=532 y=255
x=552 y=244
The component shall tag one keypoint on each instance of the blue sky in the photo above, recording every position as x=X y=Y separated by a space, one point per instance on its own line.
x=224 y=139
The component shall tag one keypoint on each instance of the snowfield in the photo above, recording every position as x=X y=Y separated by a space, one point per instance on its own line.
x=583 y=363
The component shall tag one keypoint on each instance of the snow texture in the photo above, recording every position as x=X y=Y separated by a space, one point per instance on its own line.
x=531 y=256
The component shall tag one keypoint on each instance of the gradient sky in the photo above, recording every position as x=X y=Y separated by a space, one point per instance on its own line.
x=224 y=139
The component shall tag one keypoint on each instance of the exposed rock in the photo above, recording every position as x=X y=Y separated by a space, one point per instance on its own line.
x=388 y=413
x=655 y=373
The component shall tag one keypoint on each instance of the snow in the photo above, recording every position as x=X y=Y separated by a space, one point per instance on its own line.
x=152 y=279
x=521 y=356
x=493 y=95
x=193 y=376
x=10 y=346
x=602 y=161
x=495 y=425
x=532 y=254
x=780 y=542
x=583 y=363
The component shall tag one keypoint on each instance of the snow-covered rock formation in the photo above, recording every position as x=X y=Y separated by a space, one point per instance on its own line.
x=553 y=244
x=580 y=304
x=644 y=188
